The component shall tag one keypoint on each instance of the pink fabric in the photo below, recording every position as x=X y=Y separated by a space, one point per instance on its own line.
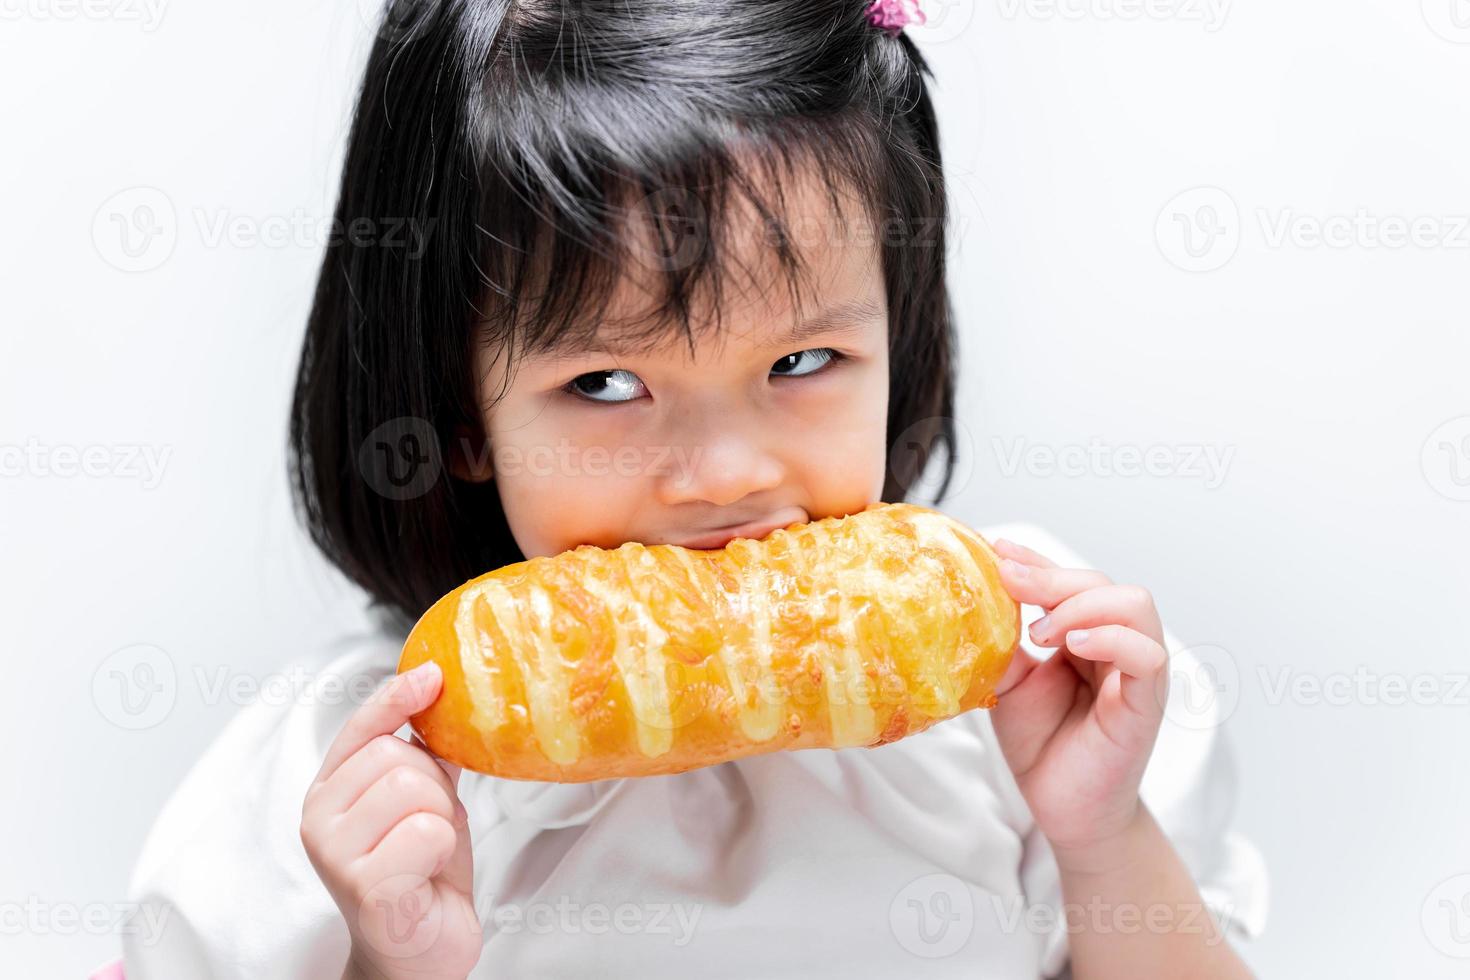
x=894 y=15
x=112 y=971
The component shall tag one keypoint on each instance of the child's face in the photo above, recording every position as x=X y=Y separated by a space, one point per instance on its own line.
x=671 y=449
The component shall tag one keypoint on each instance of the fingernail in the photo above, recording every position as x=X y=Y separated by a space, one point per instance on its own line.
x=1075 y=638
x=1016 y=568
x=419 y=676
x=423 y=670
x=1039 y=628
x=1001 y=543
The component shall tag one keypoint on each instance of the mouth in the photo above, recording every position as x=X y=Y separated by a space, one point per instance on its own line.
x=754 y=530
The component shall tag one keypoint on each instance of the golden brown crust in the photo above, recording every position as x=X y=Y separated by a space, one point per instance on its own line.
x=645 y=660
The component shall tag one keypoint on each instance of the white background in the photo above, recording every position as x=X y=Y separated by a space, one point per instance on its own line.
x=1098 y=316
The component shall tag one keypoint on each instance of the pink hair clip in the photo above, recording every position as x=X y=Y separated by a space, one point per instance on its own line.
x=894 y=15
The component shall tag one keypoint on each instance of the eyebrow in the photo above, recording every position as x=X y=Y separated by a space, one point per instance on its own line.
x=847 y=318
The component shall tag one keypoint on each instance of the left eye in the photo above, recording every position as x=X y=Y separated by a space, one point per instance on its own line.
x=805 y=362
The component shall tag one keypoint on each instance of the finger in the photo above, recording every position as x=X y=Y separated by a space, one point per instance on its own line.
x=1122 y=605
x=417 y=847
x=366 y=766
x=1021 y=553
x=450 y=769
x=1140 y=660
x=400 y=792
x=1028 y=717
x=1022 y=664
x=1046 y=587
x=399 y=912
x=384 y=713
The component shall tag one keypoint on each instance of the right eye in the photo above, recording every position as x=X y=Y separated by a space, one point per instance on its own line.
x=606 y=386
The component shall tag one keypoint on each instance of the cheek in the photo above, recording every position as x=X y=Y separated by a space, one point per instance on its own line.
x=843 y=434
x=558 y=493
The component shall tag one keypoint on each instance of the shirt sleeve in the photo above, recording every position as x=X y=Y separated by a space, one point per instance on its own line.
x=1190 y=786
x=223 y=881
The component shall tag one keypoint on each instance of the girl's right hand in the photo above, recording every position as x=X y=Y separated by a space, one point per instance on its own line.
x=386 y=832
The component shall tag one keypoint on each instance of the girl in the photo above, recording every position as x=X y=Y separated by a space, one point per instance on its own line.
x=676 y=274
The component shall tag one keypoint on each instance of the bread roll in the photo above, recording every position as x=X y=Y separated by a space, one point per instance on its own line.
x=644 y=660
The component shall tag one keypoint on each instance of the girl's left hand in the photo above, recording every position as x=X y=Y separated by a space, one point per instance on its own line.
x=1077 y=729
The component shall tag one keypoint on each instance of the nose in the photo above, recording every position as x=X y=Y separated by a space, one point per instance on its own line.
x=722 y=465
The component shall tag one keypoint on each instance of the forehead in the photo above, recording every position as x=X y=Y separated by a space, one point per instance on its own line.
x=832 y=279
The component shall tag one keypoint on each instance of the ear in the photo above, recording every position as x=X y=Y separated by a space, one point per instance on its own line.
x=468 y=456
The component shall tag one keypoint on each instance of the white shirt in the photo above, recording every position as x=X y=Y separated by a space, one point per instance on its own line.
x=915 y=859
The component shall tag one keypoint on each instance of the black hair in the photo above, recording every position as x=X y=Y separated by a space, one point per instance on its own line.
x=495 y=147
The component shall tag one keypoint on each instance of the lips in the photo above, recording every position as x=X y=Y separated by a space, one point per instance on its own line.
x=755 y=530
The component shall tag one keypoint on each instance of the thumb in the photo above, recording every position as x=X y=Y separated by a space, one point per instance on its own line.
x=1020 y=667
